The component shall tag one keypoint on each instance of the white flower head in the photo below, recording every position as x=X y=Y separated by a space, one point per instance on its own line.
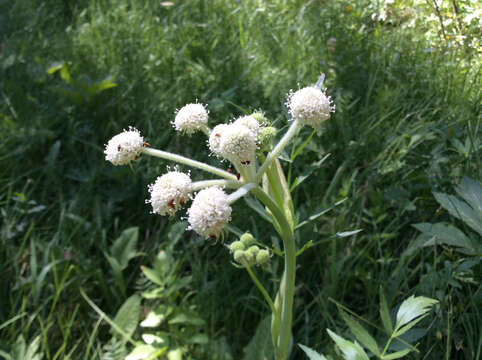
x=209 y=212
x=191 y=118
x=169 y=192
x=310 y=106
x=238 y=143
x=215 y=139
x=250 y=122
x=124 y=147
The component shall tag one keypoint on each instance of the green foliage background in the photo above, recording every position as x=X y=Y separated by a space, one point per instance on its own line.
x=405 y=77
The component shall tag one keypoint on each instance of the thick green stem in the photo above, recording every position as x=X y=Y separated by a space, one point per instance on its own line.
x=286 y=234
x=189 y=162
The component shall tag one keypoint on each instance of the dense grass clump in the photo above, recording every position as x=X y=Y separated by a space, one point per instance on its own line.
x=407 y=124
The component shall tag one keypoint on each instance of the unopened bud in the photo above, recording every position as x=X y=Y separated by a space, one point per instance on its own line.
x=265 y=138
x=262 y=257
x=238 y=256
x=247 y=239
x=237 y=245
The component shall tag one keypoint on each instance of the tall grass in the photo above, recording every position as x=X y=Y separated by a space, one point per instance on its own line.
x=407 y=122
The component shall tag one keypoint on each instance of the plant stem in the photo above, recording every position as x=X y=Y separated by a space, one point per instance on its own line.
x=286 y=234
x=262 y=289
x=231 y=184
x=273 y=155
x=189 y=162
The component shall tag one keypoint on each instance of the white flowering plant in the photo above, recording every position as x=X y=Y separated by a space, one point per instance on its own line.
x=248 y=144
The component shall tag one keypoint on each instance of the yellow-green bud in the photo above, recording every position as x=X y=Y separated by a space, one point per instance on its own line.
x=250 y=257
x=265 y=137
x=247 y=239
x=253 y=250
x=238 y=256
x=237 y=245
x=260 y=118
x=262 y=257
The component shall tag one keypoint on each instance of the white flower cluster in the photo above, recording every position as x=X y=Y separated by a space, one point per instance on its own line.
x=124 y=147
x=236 y=141
x=169 y=192
x=310 y=106
x=209 y=212
x=191 y=118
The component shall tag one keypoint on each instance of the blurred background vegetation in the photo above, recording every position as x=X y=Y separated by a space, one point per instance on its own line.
x=406 y=79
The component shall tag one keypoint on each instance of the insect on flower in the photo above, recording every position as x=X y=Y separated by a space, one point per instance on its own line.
x=181 y=200
x=171 y=204
x=247 y=162
x=146 y=144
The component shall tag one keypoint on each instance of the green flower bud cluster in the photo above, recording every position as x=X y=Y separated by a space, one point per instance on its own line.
x=246 y=253
x=265 y=138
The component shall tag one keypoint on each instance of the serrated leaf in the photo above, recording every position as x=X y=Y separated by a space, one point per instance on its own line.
x=260 y=345
x=351 y=351
x=318 y=214
x=385 y=314
x=410 y=312
x=128 y=315
x=360 y=332
x=312 y=354
x=396 y=355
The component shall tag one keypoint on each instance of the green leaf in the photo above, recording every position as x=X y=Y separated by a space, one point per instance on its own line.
x=385 y=314
x=256 y=206
x=56 y=66
x=145 y=352
x=312 y=354
x=260 y=346
x=201 y=339
x=318 y=214
x=360 y=332
x=32 y=350
x=153 y=275
x=411 y=311
x=471 y=191
x=309 y=170
x=351 y=351
x=396 y=355
x=184 y=318
x=124 y=247
x=153 y=319
x=348 y=233
x=445 y=234
x=128 y=315
x=461 y=210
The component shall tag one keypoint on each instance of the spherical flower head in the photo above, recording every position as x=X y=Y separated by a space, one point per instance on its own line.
x=260 y=118
x=250 y=122
x=215 y=138
x=124 y=147
x=310 y=106
x=209 y=212
x=169 y=192
x=238 y=143
x=191 y=118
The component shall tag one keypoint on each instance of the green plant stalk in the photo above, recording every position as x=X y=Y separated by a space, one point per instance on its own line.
x=189 y=162
x=261 y=288
x=273 y=155
x=286 y=233
x=199 y=185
